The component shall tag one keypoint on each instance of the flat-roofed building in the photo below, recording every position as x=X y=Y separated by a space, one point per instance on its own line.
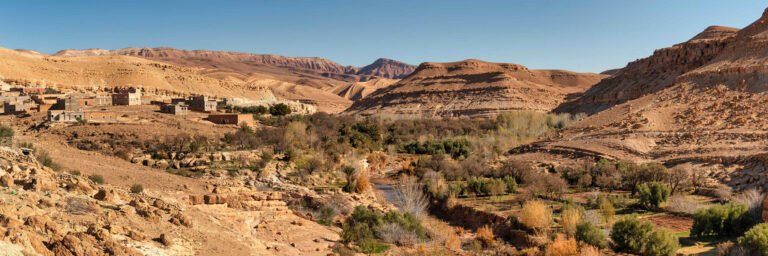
x=175 y=109
x=202 y=104
x=233 y=119
x=65 y=116
x=128 y=97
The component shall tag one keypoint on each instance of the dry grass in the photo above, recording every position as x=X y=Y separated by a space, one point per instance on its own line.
x=453 y=242
x=411 y=197
x=536 y=215
x=569 y=219
x=485 y=236
x=562 y=247
x=589 y=250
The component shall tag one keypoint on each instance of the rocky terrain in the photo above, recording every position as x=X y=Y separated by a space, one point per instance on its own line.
x=474 y=88
x=697 y=102
x=654 y=73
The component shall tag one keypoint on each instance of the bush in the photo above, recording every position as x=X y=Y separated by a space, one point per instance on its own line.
x=721 y=220
x=326 y=216
x=279 y=109
x=756 y=240
x=661 y=243
x=6 y=131
x=458 y=148
x=632 y=236
x=652 y=195
x=98 y=179
x=629 y=235
x=536 y=215
x=681 y=204
x=364 y=226
x=753 y=199
x=137 y=188
x=588 y=233
x=510 y=184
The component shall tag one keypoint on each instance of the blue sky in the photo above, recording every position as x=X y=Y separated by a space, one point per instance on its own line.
x=576 y=35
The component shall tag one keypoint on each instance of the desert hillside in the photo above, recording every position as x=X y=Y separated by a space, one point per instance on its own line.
x=107 y=72
x=654 y=73
x=307 y=79
x=474 y=88
x=696 y=102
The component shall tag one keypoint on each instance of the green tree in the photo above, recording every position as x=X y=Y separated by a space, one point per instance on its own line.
x=652 y=194
x=279 y=109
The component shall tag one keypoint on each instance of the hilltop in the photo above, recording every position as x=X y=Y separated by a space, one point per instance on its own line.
x=474 y=88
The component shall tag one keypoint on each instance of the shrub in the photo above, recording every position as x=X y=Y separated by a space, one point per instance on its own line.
x=137 y=188
x=279 y=109
x=411 y=197
x=681 y=204
x=510 y=184
x=652 y=195
x=562 y=247
x=629 y=235
x=326 y=216
x=536 y=215
x=569 y=219
x=6 y=131
x=756 y=240
x=721 y=220
x=75 y=172
x=98 y=179
x=364 y=226
x=588 y=233
x=660 y=243
x=485 y=236
x=632 y=236
x=45 y=159
x=753 y=199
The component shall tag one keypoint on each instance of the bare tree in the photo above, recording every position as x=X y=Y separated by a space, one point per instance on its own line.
x=410 y=196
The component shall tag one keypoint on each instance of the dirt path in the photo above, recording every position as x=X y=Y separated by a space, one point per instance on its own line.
x=115 y=171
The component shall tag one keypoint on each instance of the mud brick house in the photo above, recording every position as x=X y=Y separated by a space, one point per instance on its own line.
x=175 y=109
x=202 y=104
x=128 y=97
x=234 y=119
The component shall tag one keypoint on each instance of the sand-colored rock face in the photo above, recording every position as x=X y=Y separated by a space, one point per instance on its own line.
x=654 y=73
x=474 y=88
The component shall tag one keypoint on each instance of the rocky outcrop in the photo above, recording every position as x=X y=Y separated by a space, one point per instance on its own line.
x=473 y=88
x=652 y=74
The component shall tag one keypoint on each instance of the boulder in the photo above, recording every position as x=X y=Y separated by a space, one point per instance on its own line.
x=105 y=195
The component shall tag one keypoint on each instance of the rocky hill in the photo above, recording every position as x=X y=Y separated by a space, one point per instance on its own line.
x=473 y=88
x=654 y=73
x=697 y=102
x=387 y=68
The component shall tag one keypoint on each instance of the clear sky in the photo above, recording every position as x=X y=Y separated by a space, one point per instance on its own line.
x=568 y=34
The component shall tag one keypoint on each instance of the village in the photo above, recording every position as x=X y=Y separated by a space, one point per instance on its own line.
x=61 y=108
